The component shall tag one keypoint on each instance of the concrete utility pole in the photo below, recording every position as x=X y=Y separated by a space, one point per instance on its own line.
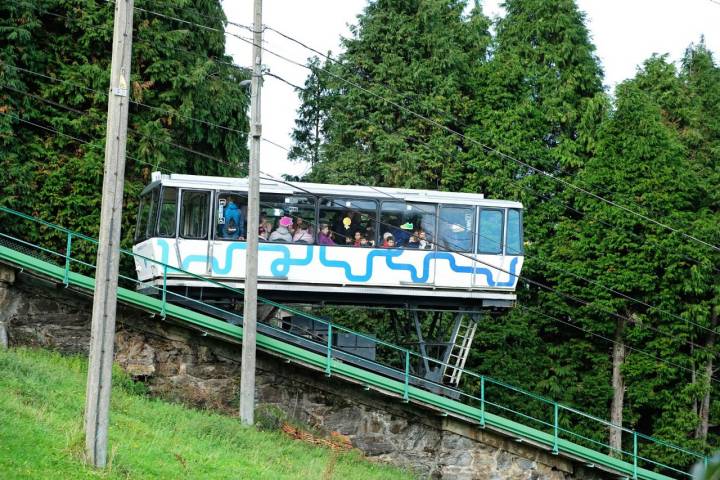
x=97 y=400
x=247 y=374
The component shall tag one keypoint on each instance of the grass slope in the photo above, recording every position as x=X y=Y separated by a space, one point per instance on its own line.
x=41 y=433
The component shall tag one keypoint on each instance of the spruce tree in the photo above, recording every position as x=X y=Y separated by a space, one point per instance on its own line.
x=641 y=162
x=312 y=115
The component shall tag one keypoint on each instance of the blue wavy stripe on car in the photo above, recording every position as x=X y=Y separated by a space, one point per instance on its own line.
x=388 y=254
x=280 y=267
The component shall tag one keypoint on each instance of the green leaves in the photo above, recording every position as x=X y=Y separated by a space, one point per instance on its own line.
x=174 y=68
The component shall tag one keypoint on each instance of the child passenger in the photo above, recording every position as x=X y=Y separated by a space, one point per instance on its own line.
x=413 y=241
x=358 y=238
x=325 y=235
x=388 y=240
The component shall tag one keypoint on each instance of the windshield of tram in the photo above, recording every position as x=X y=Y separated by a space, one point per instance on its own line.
x=147 y=214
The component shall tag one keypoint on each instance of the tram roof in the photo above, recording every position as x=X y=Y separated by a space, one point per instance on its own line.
x=299 y=188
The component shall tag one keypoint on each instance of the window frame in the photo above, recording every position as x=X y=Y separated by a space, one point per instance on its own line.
x=177 y=213
x=472 y=230
x=503 y=229
x=150 y=192
x=334 y=198
x=209 y=221
x=435 y=215
x=313 y=223
x=521 y=232
x=214 y=221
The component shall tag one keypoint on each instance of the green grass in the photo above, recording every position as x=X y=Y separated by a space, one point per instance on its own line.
x=41 y=433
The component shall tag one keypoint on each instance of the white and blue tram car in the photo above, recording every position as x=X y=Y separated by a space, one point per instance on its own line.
x=333 y=243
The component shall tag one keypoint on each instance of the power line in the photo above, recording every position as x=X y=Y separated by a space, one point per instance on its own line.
x=144 y=105
x=627 y=297
x=488 y=148
x=527 y=280
x=216 y=159
x=576 y=299
x=71 y=137
x=533 y=282
x=615 y=342
x=296 y=87
x=274 y=143
x=207 y=17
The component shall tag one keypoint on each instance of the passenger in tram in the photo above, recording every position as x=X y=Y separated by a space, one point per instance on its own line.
x=325 y=235
x=419 y=241
x=413 y=241
x=234 y=226
x=357 y=239
x=403 y=234
x=301 y=232
x=282 y=233
x=369 y=234
x=349 y=222
x=387 y=238
x=423 y=243
x=264 y=229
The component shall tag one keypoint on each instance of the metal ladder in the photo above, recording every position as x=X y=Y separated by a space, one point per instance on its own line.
x=459 y=352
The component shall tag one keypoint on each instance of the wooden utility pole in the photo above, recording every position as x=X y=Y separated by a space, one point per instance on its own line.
x=247 y=374
x=97 y=400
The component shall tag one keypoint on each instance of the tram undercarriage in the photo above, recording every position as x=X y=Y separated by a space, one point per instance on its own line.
x=437 y=331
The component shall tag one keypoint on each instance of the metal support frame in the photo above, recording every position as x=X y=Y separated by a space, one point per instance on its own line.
x=556 y=428
x=68 y=250
x=328 y=364
x=437 y=372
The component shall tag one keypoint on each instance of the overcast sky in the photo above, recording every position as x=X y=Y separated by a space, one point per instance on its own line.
x=625 y=33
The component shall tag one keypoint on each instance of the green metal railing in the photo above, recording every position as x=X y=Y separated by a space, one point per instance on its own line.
x=476 y=402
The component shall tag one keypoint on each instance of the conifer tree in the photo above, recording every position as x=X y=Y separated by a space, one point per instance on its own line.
x=177 y=68
x=312 y=115
x=539 y=100
x=420 y=54
x=640 y=162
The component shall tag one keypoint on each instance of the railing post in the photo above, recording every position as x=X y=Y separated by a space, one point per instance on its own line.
x=556 y=428
x=68 y=249
x=482 y=401
x=328 y=363
x=406 y=392
x=164 y=290
x=635 y=456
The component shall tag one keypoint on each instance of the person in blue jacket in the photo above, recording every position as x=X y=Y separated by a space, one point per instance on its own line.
x=234 y=226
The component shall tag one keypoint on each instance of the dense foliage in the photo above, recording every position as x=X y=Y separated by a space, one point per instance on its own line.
x=178 y=73
x=526 y=99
